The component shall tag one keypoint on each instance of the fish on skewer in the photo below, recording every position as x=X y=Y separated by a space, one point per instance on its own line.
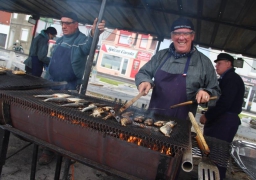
x=74 y=104
x=171 y=123
x=53 y=95
x=127 y=114
x=97 y=112
x=76 y=100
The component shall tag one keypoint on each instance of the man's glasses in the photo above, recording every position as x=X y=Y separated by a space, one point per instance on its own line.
x=66 y=23
x=184 y=34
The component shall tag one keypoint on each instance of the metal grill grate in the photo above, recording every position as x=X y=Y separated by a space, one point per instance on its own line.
x=178 y=141
x=11 y=81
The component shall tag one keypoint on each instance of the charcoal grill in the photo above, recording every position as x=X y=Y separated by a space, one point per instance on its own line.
x=10 y=81
x=101 y=141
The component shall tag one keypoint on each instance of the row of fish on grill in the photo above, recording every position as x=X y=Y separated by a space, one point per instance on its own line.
x=97 y=109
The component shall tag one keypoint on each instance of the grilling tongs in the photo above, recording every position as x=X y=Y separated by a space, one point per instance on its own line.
x=116 y=113
x=190 y=102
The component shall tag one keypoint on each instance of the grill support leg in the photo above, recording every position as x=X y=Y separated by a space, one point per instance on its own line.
x=58 y=167
x=5 y=135
x=34 y=161
x=66 y=169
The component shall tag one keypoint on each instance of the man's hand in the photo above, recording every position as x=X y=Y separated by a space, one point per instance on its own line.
x=101 y=26
x=144 y=86
x=203 y=119
x=202 y=97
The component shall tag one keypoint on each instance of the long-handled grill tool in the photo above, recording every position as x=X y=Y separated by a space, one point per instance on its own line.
x=190 y=102
x=116 y=113
x=206 y=169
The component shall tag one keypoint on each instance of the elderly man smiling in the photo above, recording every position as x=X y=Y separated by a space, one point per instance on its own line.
x=181 y=73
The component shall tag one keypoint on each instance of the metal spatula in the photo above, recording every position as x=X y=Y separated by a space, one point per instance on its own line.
x=206 y=169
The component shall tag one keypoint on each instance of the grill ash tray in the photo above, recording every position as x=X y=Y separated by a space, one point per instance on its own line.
x=10 y=81
x=244 y=153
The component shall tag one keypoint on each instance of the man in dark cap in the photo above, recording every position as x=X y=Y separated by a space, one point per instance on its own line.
x=222 y=120
x=70 y=52
x=38 y=52
x=68 y=60
x=181 y=73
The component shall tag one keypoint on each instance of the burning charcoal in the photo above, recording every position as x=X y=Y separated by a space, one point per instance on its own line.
x=125 y=121
x=97 y=112
x=139 y=118
x=90 y=107
x=127 y=114
x=166 y=130
x=160 y=123
x=148 y=122
x=56 y=99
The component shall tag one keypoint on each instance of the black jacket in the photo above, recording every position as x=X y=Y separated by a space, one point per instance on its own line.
x=231 y=98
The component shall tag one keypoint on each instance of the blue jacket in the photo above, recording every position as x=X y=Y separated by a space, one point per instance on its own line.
x=80 y=46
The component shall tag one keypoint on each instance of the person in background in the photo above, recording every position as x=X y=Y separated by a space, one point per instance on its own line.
x=222 y=120
x=70 y=52
x=37 y=58
x=181 y=73
x=68 y=60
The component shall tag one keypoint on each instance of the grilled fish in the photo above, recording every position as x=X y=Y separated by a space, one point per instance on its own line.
x=97 y=112
x=53 y=95
x=139 y=118
x=56 y=99
x=160 y=123
x=91 y=106
x=148 y=122
x=166 y=130
x=127 y=114
x=171 y=123
x=75 y=104
x=76 y=100
x=125 y=121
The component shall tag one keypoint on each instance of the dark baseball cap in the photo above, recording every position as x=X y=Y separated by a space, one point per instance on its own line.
x=224 y=56
x=70 y=15
x=182 y=23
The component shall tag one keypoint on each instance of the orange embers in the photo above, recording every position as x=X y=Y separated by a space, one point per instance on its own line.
x=140 y=142
x=60 y=116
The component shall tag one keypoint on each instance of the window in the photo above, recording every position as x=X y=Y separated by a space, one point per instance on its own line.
x=144 y=41
x=24 y=34
x=124 y=66
x=111 y=62
x=15 y=15
x=27 y=17
x=125 y=38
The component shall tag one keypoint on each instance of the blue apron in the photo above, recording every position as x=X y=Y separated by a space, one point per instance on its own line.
x=169 y=89
x=37 y=66
x=60 y=68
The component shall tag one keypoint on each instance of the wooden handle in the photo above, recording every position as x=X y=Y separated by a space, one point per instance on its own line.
x=190 y=102
x=129 y=103
x=200 y=138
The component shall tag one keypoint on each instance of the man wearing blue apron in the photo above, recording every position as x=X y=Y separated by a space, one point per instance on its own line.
x=222 y=120
x=68 y=60
x=178 y=74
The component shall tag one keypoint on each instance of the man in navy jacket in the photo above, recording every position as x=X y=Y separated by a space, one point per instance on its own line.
x=222 y=120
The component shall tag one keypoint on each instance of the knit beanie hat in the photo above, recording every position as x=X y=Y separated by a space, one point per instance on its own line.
x=51 y=30
x=182 y=23
x=71 y=15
